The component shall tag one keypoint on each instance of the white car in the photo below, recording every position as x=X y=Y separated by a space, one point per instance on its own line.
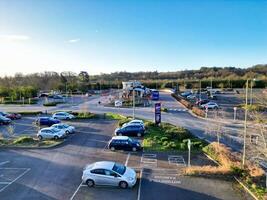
x=135 y=122
x=109 y=173
x=51 y=133
x=210 y=105
x=63 y=115
x=65 y=127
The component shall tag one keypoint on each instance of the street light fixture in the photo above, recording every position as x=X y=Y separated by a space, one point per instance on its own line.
x=251 y=87
x=245 y=127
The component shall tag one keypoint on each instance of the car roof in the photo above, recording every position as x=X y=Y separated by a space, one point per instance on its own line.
x=120 y=138
x=61 y=113
x=137 y=120
x=103 y=165
x=48 y=128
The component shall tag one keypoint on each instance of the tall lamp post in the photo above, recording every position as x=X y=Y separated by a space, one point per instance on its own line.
x=245 y=127
x=251 y=88
x=133 y=103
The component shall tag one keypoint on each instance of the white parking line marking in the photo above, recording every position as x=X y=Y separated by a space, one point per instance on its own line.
x=127 y=159
x=2 y=163
x=26 y=170
x=178 y=160
x=72 y=197
x=149 y=160
x=4 y=183
x=140 y=183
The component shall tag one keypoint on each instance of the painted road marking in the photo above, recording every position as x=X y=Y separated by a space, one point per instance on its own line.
x=72 y=197
x=149 y=160
x=5 y=162
x=177 y=160
x=22 y=174
x=140 y=185
x=127 y=159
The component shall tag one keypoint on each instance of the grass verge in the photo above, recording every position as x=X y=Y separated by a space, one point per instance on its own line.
x=251 y=175
x=28 y=142
x=168 y=137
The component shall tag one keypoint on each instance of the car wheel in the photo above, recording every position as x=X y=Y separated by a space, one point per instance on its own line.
x=112 y=148
x=120 y=134
x=40 y=137
x=67 y=118
x=90 y=183
x=139 y=134
x=67 y=132
x=56 y=137
x=134 y=149
x=123 y=185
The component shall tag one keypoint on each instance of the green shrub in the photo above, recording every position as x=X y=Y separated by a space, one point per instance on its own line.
x=110 y=115
x=50 y=104
x=183 y=146
x=84 y=115
x=163 y=139
x=30 y=112
x=238 y=171
x=23 y=139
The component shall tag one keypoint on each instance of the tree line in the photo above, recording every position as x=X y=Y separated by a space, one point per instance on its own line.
x=28 y=85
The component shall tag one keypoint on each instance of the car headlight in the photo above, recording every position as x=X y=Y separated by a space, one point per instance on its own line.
x=130 y=179
x=138 y=144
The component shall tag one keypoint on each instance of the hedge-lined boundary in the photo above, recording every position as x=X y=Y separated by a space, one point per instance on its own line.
x=189 y=105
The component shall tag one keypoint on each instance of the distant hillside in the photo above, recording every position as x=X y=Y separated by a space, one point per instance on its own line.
x=257 y=71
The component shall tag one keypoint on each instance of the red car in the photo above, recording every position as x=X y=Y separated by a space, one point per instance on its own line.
x=11 y=115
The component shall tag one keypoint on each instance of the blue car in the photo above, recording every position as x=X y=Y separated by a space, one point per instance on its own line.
x=47 y=121
x=124 y=143
x=131 y=130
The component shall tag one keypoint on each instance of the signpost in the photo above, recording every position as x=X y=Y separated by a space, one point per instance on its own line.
x=206 y=113
x=189 y=149
x=235 y=108
x=157 y=113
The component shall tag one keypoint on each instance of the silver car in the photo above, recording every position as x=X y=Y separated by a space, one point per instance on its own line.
x=135 y=122
x=65 y=127
x=63 y=116
x=50 y=133
x=109 y=173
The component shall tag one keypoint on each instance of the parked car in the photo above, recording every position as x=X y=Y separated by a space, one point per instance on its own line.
x=130 y=130
x=202 y=101
x=185 y=94
x=4 y=120
x=58 y=96
x=50 y=133
x=65 y=127
x=136 y=122
x=63 y=115
x=109 y=173
x=210 y=105
x=191 y=97
x=124 y=143
x=48 y=121
x=11 y=115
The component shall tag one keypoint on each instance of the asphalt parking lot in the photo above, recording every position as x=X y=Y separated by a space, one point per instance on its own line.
x=55 y=173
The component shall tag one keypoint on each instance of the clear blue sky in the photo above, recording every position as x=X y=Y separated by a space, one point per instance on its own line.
x=117 y=35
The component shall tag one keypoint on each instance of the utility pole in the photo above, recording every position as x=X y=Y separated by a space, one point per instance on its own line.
x=133 y=103
x=245 y=127
x=251 y=87
x=211 y=83
x=200 y=91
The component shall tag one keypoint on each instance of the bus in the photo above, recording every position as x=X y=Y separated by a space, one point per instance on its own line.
x=154 y=94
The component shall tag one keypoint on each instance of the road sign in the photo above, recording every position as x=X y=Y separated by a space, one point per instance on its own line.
x=254 y=139
x=157 y=113
x=118 y=103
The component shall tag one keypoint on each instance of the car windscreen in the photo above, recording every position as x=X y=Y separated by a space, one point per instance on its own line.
x=65 y=126
x=120 y=169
